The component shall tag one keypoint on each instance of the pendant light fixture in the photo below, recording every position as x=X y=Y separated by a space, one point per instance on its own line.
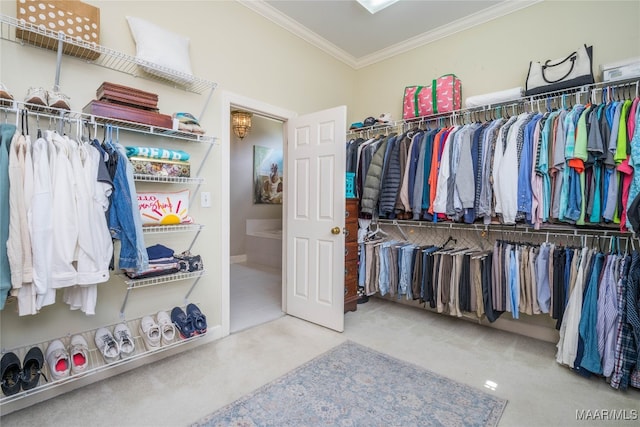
x=240 y=123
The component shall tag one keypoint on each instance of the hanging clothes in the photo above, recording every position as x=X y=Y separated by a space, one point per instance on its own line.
x=7 y=131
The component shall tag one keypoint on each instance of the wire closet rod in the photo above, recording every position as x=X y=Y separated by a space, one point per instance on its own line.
x=502 y=228
x=605 y=87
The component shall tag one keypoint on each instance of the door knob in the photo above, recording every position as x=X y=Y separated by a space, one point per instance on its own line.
x=335 y=230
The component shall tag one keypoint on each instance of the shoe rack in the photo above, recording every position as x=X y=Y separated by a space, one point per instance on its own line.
x=123 y=63
x=96 y=362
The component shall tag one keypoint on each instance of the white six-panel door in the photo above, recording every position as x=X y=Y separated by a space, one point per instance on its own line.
x=315 y=205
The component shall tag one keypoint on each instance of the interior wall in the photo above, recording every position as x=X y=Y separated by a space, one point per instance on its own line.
x=231 y=45
x=265 y=133
x=495 y=56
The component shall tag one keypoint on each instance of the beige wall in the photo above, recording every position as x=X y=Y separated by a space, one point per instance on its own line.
x=495 y=56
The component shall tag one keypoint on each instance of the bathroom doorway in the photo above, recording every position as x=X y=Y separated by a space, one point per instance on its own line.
x=256 y=224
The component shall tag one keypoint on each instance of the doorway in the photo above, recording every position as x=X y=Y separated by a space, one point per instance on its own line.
x=256 y=224
x=266 y=112
x=312 y=273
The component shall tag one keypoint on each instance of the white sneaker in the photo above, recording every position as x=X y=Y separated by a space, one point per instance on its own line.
x=79 y=352
x=58 y=360
x=58 y=100
x=107 y=345
x=150 y=332
x=167 y=328
x=6 y=98
x=125 y=340
x=36 y=96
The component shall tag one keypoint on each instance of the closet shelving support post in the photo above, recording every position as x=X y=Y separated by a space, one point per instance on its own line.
x=56 y=82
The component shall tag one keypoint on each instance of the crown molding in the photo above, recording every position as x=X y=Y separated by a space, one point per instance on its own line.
x=489 y=14
x=269 y=12
x=274 y=15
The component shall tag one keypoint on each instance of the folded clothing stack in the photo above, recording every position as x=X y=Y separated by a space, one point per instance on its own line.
x=163 y=261
x=186 y=122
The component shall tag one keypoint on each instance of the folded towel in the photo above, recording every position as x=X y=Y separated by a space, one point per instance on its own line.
x=494 y=97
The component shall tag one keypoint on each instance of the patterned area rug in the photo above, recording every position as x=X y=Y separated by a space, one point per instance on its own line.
x=352 y=385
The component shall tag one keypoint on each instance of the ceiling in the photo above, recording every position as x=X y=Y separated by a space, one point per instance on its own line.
x=346 y=30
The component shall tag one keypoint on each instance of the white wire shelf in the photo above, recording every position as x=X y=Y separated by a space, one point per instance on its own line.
x=167 y=179
x=75 y=117
x=178 y=228
x=147 y=129
x=96 y=362
x=45 y=38
x=158 y=280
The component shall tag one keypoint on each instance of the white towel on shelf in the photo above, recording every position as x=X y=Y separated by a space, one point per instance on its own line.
x=494 y=97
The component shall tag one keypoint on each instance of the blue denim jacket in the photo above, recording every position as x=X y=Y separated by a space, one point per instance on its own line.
x=122 y=221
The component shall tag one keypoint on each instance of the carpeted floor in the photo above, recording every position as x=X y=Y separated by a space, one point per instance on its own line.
x=353 y=385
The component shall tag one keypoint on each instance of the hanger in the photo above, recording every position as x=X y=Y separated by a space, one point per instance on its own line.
x=449 y=239
x=378 y=230
x=39 y=129
x=86 y=137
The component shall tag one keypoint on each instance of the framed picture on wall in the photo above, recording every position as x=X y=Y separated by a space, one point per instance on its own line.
x=267 y=175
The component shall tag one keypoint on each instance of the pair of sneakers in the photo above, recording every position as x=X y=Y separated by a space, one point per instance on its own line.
x=189 y=323
x=14 y=376
x=157 y=332
x=6 y=99
x=116 y=345
x=65 y=361
x=40 y=99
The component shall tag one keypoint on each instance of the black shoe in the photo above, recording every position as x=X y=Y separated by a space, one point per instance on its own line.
x=32 y=368
x=11 y=373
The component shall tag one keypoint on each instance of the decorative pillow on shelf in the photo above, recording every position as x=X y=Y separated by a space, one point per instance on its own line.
x=164 y=208
x=168 y=51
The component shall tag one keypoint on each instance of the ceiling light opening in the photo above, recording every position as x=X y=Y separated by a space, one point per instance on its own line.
x=374 y=6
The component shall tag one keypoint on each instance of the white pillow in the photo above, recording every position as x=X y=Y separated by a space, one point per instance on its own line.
x=163 y=48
